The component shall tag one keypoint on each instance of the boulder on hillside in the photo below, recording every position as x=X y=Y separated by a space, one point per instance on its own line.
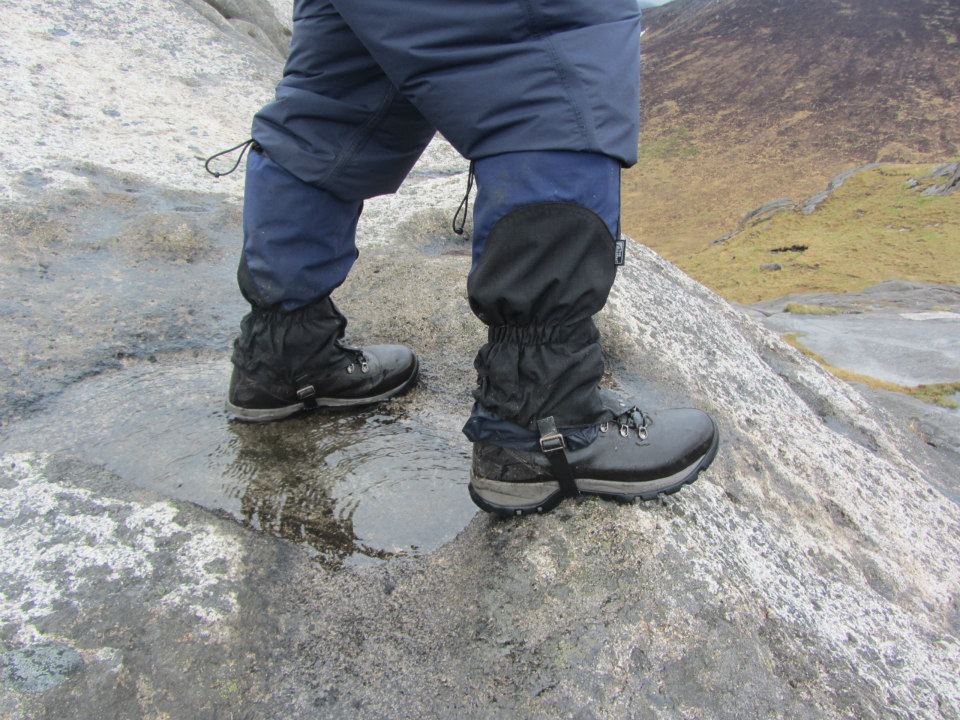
x=758 y=216
x=949 y=174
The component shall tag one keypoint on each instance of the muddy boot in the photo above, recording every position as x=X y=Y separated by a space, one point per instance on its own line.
x=542 y=430
x=289 y=361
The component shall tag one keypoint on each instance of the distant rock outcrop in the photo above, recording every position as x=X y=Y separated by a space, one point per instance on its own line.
x=759 y=215
x=951 y=173
x=781 y=205
x=814 y=201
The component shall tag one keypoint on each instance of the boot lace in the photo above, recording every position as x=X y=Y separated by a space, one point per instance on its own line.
x=357 y=358
x=632 y=419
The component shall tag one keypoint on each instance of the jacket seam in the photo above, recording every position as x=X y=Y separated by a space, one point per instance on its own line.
x=534 y=27
x=361 y=136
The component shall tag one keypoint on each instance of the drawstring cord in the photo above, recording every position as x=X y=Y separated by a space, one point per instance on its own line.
x=246 y=145
x=464 y=204
x=459 y=218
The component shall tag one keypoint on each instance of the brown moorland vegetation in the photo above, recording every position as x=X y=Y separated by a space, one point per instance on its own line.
x=749 y=100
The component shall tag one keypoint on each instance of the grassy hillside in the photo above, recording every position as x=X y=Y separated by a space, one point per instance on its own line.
x=873 y=228
x=748 y=100
x=685 y=192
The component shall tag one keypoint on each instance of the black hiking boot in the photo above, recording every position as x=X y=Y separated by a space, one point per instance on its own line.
x=635 y=455
x=288 y=362
x=546 y=269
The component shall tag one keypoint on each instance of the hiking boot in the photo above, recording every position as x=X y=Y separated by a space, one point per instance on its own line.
x=636 y=455
x=541 y=427
x=365 y=376
x=288 y=362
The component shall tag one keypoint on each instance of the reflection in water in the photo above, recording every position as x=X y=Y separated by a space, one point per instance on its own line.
x=364 y=483
x=287 y=480
x=355 y=487
x=278 y=497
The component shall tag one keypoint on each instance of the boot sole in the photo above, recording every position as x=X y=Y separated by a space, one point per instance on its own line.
x=511 y=498
x=261 y=415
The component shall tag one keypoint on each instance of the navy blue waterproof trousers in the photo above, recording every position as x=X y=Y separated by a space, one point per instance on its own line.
x=368 y=82
x=544 y=94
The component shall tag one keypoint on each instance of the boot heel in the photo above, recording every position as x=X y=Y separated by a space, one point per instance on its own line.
x=512 y=498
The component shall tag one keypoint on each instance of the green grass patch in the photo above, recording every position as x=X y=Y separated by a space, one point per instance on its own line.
x=935 y=393
x=675 y=145
x=801 y=309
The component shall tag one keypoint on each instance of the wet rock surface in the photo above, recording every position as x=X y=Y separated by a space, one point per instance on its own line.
x=90 y=275
x=123 y=294
x=159 y=561
x=899 y=332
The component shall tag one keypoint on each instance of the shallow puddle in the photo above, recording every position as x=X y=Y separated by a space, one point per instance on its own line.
x=356 y=487
x=122 y=298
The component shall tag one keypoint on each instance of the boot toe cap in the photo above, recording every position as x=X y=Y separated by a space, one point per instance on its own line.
x=692 y=432
x=395 y=365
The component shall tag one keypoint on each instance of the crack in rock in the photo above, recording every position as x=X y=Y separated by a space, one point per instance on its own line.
x=257 y=19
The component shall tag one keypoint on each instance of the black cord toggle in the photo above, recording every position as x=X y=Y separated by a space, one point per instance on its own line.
x=464 y=204
x=246 y=145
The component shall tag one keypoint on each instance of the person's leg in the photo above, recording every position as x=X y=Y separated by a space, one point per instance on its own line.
x=545 y=256
x=544 y=96
x=338 y=132
x=504 y=76
x=544 y=246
